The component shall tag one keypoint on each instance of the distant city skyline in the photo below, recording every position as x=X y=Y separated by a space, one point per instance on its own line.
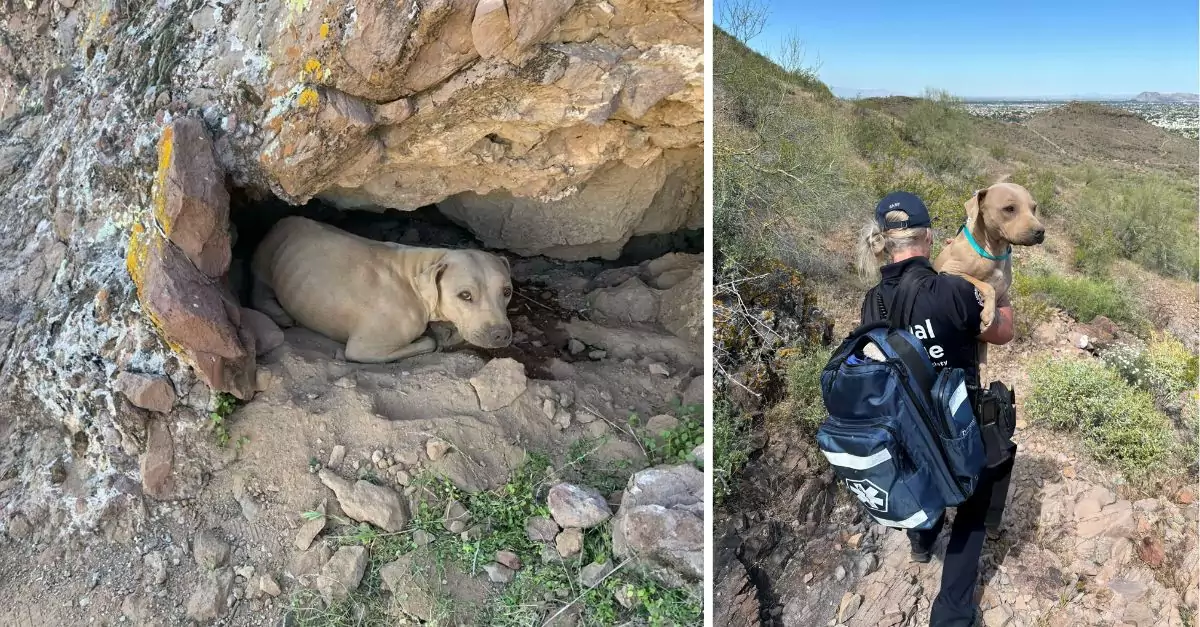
x=1100 y=49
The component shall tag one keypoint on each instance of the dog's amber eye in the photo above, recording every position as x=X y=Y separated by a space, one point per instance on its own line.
x=507 y=292
x=465 y=296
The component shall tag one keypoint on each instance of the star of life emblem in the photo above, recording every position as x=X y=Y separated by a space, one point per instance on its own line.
x=871 y=495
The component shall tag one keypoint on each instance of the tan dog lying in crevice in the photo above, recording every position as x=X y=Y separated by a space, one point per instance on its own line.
x=997 y=217
x=378 y=297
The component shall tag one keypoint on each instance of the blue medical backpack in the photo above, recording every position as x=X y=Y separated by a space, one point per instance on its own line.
x=900 y=436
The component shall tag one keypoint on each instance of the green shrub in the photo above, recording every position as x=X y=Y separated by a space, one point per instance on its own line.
x=783 y=158
x=939 y=126
x=1147 y=219
x=804 y=386
x=1095 y=250
x=1042 y=184
x=1119 y=423
x=875 y=135
x=1082 y=297
x=731 y=447
x=1030 y=313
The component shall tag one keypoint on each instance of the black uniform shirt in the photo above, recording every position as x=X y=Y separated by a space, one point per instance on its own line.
x=946 y=315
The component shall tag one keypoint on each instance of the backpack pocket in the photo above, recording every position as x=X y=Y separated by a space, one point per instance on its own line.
x=959 y=431
x=872 y=466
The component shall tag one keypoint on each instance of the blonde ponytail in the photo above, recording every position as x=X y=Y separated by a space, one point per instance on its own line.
x=876 y=246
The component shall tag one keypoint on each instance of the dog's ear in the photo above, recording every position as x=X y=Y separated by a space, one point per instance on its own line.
x=972 y=205
x=429 y=288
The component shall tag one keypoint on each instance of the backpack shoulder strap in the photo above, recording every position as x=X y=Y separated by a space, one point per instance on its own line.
x=899 y=311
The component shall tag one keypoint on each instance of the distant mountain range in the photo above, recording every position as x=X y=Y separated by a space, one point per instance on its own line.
x=848 y=93
x=1154 y=96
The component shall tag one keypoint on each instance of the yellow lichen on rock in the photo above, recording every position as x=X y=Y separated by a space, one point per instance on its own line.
x=308 y=98
x=325 y=30
x=142 y=244
x=312 y=66
x=166 y=146
x=135 y=255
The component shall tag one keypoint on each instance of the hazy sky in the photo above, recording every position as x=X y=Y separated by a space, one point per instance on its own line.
x=1016 y=48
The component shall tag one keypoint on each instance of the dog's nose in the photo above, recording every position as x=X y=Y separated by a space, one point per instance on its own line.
x=1039 y=235
x=500 y=335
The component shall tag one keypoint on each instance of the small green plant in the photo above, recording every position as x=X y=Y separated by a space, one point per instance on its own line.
x=1119 y=422
x=224 y=404
x=674 y=445
x=804 y=386
x=731 y=447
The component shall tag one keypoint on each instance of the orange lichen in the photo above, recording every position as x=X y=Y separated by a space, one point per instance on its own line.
x=308 y=98
x=142 y=244
x=166 y=147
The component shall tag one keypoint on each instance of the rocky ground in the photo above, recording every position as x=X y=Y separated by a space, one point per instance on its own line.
x=1081 y=546
x=228 y=540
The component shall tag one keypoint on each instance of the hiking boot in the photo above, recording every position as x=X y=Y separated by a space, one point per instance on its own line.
x=918 y=553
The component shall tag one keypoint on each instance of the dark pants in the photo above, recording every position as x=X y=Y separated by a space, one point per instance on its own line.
x=955 y=603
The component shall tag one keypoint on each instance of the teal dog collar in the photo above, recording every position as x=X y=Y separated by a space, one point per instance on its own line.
x=979 y=249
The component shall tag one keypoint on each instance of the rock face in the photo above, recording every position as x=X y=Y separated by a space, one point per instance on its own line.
x=191 y=205
x=148 y=392
x=477 y=106
x=661 y=523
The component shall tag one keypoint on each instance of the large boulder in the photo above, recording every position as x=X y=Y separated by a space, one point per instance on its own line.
x=556 y=128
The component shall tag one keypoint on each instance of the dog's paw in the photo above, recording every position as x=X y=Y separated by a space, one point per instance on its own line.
x=986 y=316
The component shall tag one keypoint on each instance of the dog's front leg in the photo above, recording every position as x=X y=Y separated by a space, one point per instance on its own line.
x=988 y=314
x=446 y=335
x=368 y=352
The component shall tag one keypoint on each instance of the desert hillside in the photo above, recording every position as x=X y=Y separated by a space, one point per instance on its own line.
x=1100 y=523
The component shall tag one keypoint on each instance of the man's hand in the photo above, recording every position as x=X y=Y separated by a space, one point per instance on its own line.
x=1001 y=331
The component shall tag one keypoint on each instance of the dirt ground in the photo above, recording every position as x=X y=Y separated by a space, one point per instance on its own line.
x=137 y=565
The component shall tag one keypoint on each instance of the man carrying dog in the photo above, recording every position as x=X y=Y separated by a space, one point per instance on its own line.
x=945 y=316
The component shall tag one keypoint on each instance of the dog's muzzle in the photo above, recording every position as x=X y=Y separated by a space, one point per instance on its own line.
x=496 y=336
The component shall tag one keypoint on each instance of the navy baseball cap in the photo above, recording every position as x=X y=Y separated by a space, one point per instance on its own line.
x=918 y=215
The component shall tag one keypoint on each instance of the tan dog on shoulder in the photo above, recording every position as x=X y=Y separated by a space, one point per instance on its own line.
x=997 y=218
x=378 y=297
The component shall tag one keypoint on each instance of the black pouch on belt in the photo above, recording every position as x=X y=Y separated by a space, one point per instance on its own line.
x=995 y=411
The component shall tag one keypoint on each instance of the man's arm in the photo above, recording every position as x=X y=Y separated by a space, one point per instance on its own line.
x=1002 y=330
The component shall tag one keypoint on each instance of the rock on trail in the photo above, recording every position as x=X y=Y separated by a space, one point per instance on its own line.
x=577 y=506
x=367 y=502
